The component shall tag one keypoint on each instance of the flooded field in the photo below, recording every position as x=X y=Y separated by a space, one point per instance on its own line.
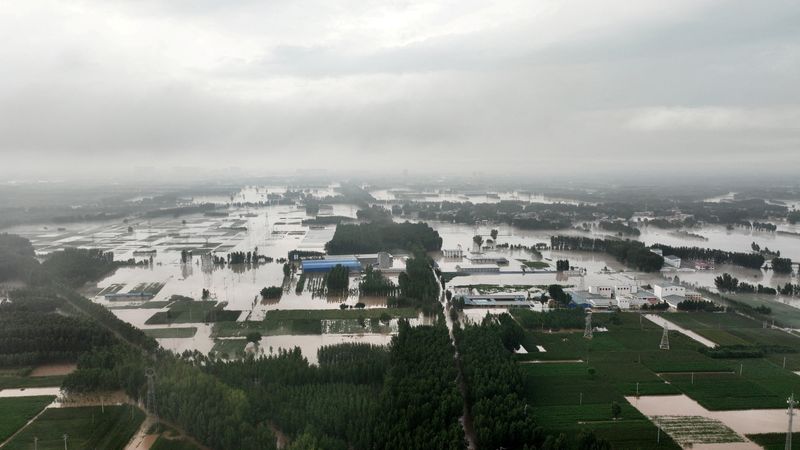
x=251 y=221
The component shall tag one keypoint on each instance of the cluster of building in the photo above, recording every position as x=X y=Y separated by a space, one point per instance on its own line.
x=483 y=263
x=631 y=296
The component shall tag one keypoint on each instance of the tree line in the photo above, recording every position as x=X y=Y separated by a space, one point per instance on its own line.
x=374 y=283
x=374 y=237
x=728 y=283
x=628 y=252
x=494 y=385
x=749 y=260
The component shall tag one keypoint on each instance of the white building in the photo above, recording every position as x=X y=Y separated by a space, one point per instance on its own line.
x=641 y=297
x=603 y=291
x=613 y=291
x=623 y=302
x=657 y=251
x=667 y=290
x=453 y=253
x=694 y=296
x=497 y=299
x=624 y=289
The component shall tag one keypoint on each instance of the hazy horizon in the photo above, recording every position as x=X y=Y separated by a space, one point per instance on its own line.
x=117 y=89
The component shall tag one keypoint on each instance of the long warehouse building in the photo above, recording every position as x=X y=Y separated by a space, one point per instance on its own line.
x=326 y=265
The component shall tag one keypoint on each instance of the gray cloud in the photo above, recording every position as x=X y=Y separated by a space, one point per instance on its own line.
x=463 y=85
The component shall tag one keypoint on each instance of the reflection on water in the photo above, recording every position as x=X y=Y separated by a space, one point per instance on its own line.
x=309 y=344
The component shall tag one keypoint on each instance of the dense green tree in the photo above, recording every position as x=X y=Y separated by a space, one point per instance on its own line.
x=557 y=293
x=782 y=265
x=374 y=237
x=338 y=279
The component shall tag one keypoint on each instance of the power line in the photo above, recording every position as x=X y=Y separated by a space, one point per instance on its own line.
x=792 y=403
x=665 y=339
x=588 y=333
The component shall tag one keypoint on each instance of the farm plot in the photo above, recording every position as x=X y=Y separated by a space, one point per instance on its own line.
x=161 y=333
x=109 y=428
x=697 y=430
x=190 y=311
x=15 y=412
x=569 y=398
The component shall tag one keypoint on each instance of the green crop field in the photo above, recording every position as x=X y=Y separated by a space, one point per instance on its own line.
x=535 y=264
x=152 y=304
x=775 y=441
x=608 y=368
x=16 y=381
x=784 y=314
x=176 y=332
x=15 y=412
x=229 y=347
x=163 y=443
x=630 y=430
x=301 y=321
x=189 y=311
x=86 y=428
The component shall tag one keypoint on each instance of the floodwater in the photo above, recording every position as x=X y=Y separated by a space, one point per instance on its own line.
x=30 y=392
x=276 y=229
x=662 y=322
x=751 y=421
x=273 y=230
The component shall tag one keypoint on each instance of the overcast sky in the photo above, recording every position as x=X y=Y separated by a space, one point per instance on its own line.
x=525 y=85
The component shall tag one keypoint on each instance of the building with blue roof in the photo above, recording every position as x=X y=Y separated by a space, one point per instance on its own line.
x=327 y=264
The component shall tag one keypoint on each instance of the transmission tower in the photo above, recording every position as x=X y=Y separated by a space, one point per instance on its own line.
x=665 y=339
x=792 y=403
x=150 y=373
x=588 y=333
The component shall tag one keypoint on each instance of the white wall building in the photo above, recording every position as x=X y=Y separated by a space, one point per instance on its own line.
x=613 y=291
x=666 y=290
x=603 y=291
x=623 y=302
x=453 y=253
x=624 y=289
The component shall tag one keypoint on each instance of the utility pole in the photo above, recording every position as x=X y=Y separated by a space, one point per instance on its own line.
x=65 y=441
x=792 y=403
x=35 y=443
